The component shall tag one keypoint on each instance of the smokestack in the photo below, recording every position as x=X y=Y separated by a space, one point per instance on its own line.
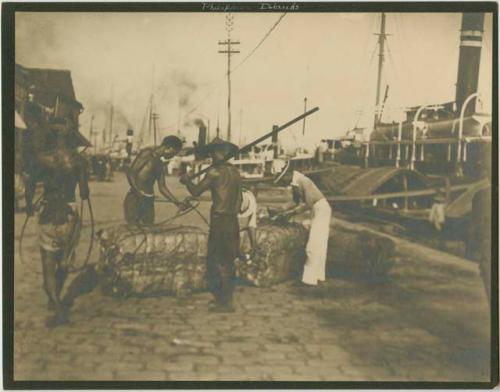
x=471 y=37
x=274 y=140
x=202 y=136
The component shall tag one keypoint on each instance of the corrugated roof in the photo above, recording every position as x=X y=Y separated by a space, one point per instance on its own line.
x=356 y=181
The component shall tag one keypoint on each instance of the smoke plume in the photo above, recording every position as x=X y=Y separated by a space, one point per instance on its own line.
x=198 y=122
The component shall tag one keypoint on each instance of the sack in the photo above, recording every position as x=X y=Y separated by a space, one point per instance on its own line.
x=163 y=259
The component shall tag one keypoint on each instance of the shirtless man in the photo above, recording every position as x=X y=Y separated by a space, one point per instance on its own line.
x=58 y=222
x=148 y=168
x=224 y=182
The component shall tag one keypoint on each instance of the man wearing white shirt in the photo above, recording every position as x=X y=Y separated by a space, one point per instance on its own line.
x=248 y=217
x=307 y=196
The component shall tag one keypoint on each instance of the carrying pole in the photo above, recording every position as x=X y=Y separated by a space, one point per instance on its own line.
x=259 y=140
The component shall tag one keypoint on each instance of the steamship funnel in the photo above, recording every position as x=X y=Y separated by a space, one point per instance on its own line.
x=471 y=37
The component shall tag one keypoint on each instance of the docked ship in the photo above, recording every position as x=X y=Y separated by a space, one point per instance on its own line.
x=396 y=171
x=443 y=139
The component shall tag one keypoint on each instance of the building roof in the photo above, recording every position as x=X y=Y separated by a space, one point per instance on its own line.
x=47 y=82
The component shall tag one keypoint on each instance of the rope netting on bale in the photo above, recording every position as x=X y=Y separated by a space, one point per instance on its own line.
x=280 y=254
x=360 y=255
x=167 y=259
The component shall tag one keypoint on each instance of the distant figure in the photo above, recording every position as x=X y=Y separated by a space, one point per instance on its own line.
x=109 y=170
x=148 y=168
x=437 y=215
x=320 y=152
x=248 y=218
x=224 y=182
x=306 y=195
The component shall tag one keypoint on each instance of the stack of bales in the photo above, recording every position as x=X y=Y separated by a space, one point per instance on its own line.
x=164 y=259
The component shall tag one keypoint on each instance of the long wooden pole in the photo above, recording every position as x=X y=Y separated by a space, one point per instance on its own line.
x=260 y=139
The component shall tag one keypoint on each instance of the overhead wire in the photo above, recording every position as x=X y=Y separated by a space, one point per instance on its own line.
x=260 y=42
x=245 y=59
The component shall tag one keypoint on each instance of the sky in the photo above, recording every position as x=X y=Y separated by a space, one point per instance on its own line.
x=329 y=58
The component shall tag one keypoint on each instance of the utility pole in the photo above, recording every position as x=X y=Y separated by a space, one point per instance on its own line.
x=103 y=134
x=241 y=125
x=229 y=51
x=111 y=118
x=150 y=123
x=218 y=128
x=151 y=105
x=91 y=127
x=154 y=117
x=304 y=121
x=91 y=132
x=381 y=54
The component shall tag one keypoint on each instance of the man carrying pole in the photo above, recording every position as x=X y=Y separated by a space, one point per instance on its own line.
x=224 y=182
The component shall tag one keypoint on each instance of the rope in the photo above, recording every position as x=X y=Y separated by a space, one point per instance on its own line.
x=92 y=229
x=23 y=229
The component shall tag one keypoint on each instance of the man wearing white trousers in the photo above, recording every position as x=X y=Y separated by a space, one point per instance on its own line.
x=306 y=195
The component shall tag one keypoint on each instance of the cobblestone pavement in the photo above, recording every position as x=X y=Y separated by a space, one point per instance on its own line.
x=430 y=323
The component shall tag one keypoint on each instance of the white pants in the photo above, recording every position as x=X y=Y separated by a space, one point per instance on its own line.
x=317 y=246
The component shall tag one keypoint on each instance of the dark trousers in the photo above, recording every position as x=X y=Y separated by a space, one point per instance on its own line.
x=223 y=249
x=139 y=209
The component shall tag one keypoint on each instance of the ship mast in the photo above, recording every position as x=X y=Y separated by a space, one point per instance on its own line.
x=381 y=43
x=111 y=112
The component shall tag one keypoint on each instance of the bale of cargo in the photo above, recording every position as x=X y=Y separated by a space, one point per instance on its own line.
x=279 y=256
x=162 y=259
x=359 y=254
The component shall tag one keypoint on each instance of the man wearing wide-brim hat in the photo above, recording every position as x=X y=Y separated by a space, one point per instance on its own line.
x=224 y=182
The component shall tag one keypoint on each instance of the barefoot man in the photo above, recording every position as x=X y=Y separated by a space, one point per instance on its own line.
x=148 y=168
x=58 y=222
x=224 y=182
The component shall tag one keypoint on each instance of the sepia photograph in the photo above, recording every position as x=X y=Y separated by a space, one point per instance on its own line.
x=250 y=192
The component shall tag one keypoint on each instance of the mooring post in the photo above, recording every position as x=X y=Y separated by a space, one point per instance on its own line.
x=398 y=153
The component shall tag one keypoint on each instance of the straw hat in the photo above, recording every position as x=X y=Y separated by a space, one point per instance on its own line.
x=219 y=144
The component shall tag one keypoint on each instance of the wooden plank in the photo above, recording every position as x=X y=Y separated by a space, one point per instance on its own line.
x=394 y=195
